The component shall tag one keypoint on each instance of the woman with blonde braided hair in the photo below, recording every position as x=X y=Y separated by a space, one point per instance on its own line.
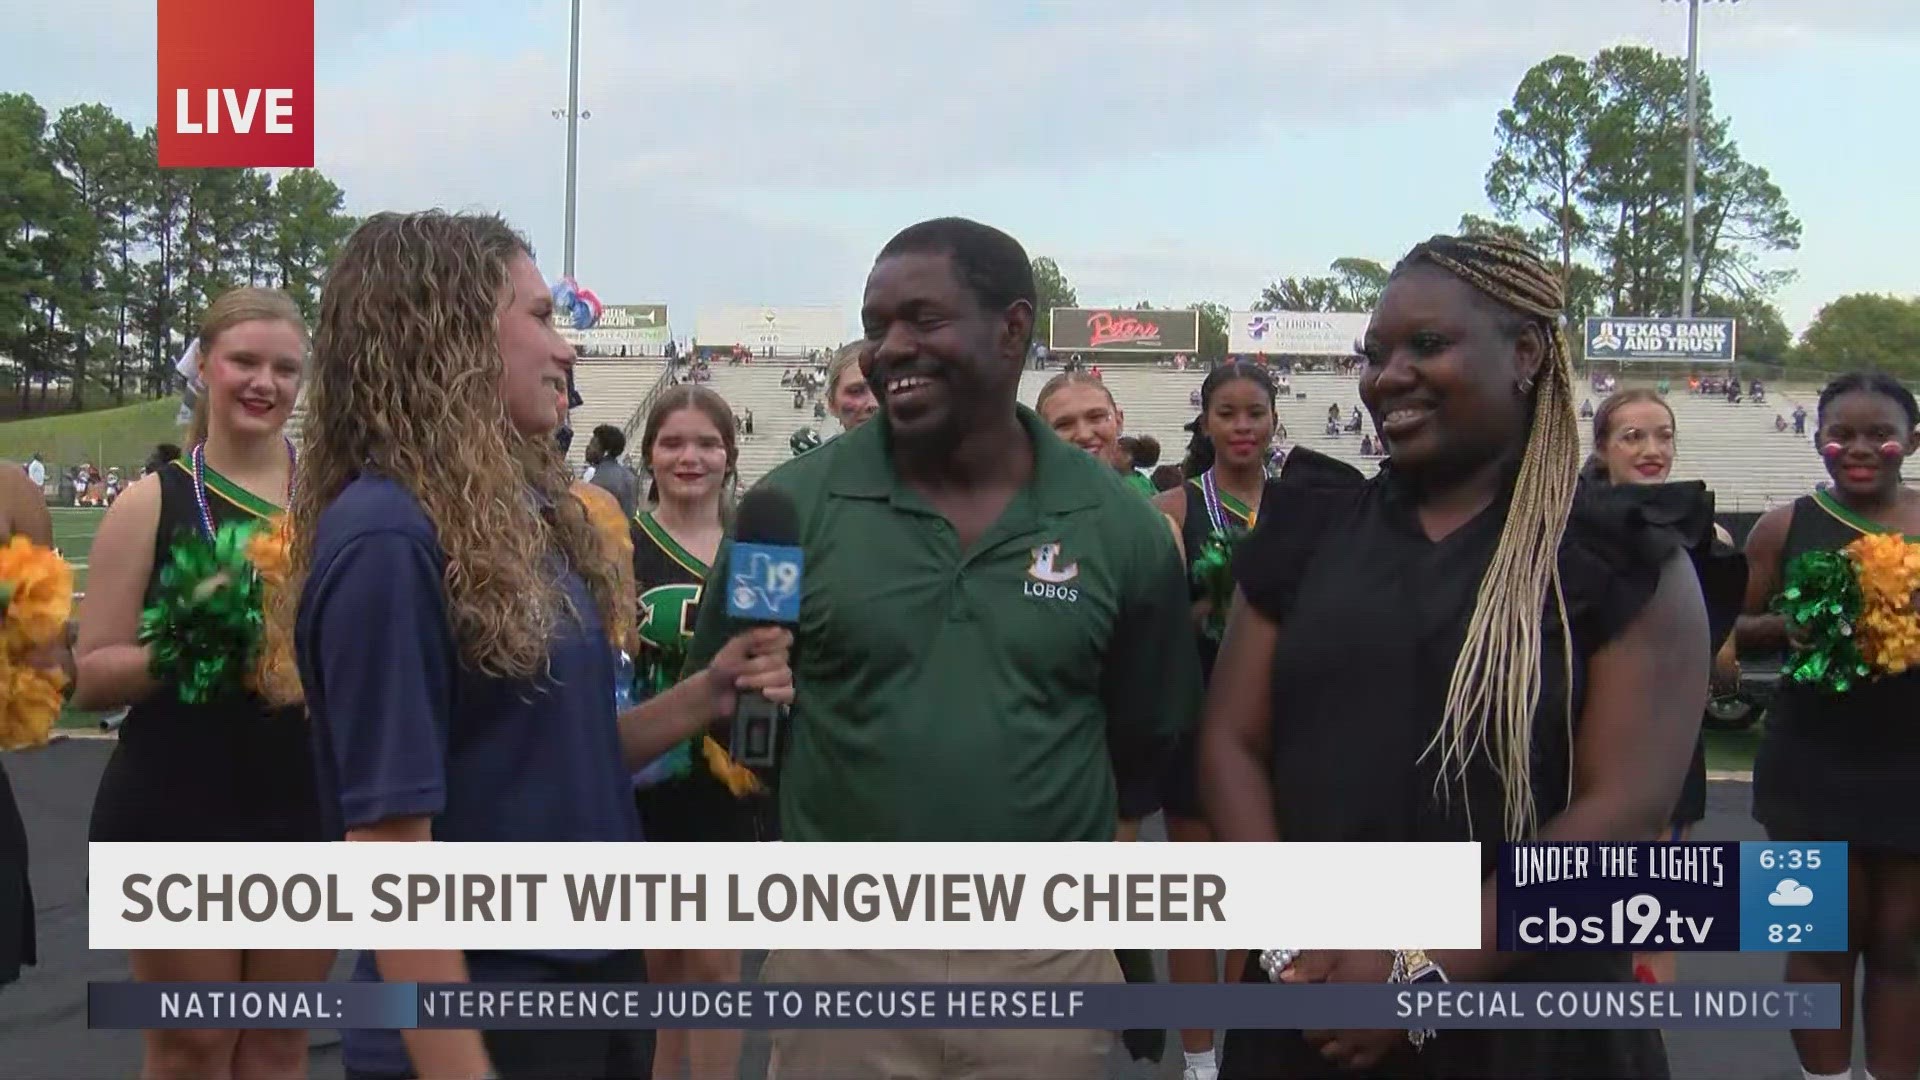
x=1549 y=643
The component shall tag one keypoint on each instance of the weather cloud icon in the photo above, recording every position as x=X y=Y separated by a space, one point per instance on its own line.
x=1790 y=893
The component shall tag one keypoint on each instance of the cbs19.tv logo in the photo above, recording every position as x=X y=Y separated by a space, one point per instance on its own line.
x=236 y=84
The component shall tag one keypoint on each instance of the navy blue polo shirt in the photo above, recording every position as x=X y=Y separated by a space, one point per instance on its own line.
x=404 y=729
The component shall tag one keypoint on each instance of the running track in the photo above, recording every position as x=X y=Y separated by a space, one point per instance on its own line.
x=43 y=1022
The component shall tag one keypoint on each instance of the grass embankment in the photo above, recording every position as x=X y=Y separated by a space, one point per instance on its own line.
x=121 y=436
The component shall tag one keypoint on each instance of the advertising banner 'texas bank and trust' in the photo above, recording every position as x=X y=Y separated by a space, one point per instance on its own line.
x=1702 y=340
x=1124 y=330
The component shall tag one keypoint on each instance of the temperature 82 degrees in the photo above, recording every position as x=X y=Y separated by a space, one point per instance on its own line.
x=1793 y=897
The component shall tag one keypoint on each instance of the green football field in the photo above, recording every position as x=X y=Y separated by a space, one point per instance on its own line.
x=73 y=530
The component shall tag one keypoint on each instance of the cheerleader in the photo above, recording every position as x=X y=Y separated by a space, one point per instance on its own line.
x=228 y=769
x=1844 y=766
x=1226 y=473
x=1080 y=409
x=1634 y=440
x=23 y=512
x=688 y=449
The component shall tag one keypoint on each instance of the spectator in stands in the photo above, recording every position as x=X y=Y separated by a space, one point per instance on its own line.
x=1843 y=766
x=1586 y=408
x=609 y=471
x=1799 y=419
x=1779 y=423
x=1193 y=398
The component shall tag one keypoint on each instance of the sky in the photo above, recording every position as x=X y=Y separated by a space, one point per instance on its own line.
x=1166 y=150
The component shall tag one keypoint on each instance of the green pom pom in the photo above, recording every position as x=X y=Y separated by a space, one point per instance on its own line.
x=204 y=628
x=1213 y=574
x=1821 y=600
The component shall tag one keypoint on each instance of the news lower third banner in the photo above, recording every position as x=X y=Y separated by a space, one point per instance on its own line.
x=1674 y=897
x=786 y=896
x=1110 y=1007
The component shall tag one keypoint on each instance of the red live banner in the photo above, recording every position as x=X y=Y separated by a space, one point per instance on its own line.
x=236 y=84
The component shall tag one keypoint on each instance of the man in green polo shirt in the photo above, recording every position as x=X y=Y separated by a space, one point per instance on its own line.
x=992 y=629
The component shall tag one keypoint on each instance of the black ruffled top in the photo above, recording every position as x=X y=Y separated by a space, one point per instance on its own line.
x=1374 y=615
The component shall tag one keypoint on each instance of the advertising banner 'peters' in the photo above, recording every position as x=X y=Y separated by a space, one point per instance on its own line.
x=1125 y=330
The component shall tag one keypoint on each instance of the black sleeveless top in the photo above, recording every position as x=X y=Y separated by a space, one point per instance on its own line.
x=1195 y=532
x=238 y=770
x=698 y=805
x=1839 y=766
x=1343 y=565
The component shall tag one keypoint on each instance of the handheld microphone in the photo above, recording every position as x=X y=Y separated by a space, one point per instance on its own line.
x=763 y=589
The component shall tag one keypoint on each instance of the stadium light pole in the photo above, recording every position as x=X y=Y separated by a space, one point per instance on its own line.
x=1693 y=140
x=573 y=116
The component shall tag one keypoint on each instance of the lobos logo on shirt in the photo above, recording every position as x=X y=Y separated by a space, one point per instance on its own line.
x=1047 y=579
x=236 y=84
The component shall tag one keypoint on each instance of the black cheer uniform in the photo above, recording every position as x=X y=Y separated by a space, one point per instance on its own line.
x=1839 y=766
x=16 y=892
x=697 y=805
x=232 y=771
x=1342 y=564
x=1180 y=793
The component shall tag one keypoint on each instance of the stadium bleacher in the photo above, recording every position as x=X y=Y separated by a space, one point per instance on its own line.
x=610 y=390
x=1733 y=448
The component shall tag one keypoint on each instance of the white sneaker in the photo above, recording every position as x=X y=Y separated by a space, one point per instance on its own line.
x=1201 y=1072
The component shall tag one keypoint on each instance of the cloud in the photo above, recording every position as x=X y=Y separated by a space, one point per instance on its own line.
x=1790 y=893
x=708 y=118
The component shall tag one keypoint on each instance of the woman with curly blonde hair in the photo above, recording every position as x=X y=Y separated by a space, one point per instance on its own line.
x=454 y=611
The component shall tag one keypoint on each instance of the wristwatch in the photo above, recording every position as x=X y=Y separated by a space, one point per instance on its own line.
x=1414 y=966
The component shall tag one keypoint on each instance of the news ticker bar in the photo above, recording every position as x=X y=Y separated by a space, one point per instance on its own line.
x=1114 y=1007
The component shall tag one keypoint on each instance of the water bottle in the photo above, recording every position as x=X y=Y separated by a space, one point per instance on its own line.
x=623 y=678
x=625 y=696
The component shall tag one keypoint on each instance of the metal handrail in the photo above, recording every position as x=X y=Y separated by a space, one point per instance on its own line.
x=639 y=415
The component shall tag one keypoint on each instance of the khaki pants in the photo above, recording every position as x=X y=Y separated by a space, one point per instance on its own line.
x=926 y=1054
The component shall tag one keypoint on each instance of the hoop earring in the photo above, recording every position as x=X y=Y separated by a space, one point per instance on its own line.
x=1524 y=384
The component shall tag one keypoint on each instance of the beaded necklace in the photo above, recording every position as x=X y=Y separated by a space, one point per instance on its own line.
x=1216 y=511
x=199 y=457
